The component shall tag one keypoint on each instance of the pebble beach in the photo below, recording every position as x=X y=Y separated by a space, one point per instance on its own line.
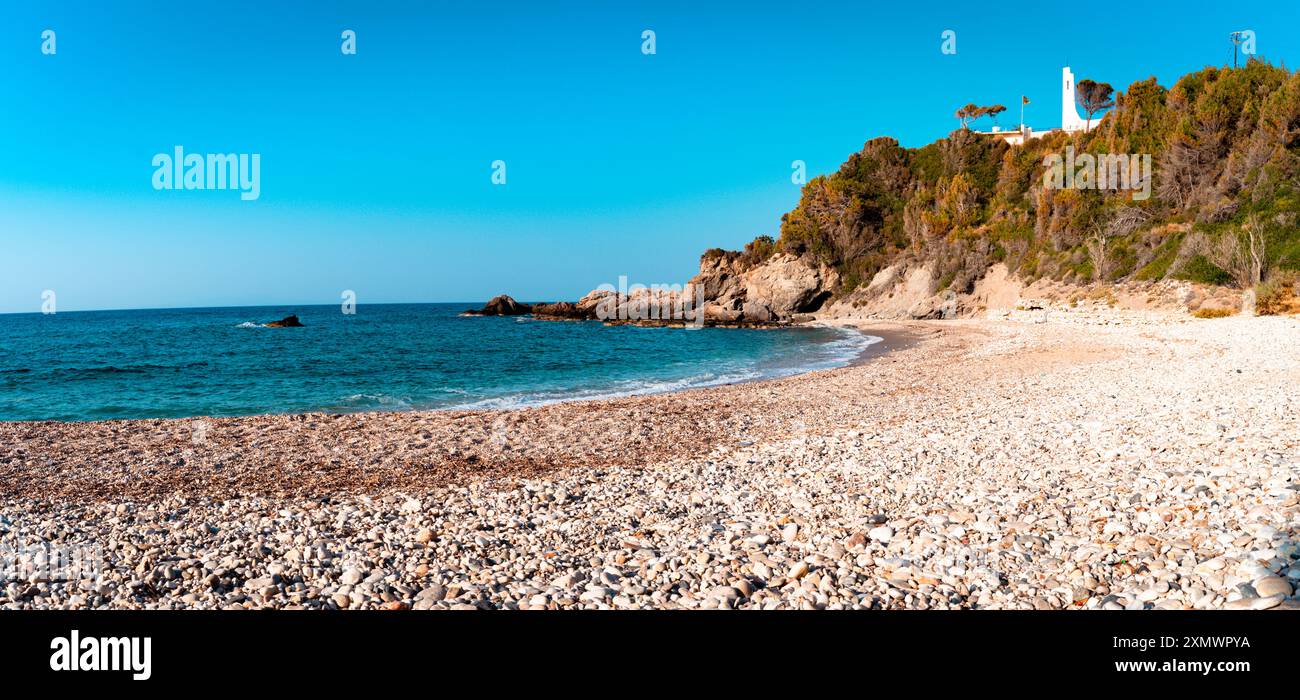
x=1074 y=459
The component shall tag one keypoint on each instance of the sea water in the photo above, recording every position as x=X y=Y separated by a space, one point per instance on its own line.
x=172 y=363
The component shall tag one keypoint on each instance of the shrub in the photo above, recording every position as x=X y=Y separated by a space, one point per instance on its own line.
x=1213 y=313
x=1198 y=268
x=1162 y=260
x=760 y=249
x=1275 y=296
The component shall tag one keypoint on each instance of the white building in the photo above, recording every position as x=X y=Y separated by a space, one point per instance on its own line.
x=1071 y=122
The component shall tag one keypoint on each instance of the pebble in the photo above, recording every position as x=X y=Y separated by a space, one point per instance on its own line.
x=881 y=534
x=1272 y=586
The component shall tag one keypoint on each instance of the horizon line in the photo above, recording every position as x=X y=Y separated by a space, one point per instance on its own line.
x=245 y=306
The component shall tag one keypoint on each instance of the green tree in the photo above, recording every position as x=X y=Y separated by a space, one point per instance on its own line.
x=993 y=111
x=1092 y=97
x=968 y=114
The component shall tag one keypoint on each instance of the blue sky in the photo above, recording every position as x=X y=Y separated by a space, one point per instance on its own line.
x=376 y=168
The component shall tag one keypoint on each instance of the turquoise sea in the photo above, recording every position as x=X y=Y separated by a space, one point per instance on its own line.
x=97 y=365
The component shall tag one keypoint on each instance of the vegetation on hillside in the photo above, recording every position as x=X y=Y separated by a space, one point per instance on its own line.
x=1223 y=205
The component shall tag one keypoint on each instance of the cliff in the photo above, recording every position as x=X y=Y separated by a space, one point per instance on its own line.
x=969 y=222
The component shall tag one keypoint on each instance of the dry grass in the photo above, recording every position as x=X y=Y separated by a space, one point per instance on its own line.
x=1213 y=313
x=1277 y=297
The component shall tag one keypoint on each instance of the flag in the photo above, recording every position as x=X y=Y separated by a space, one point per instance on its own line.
x=1024 y=100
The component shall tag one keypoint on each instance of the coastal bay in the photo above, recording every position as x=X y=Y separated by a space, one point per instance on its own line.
x=1089 y=458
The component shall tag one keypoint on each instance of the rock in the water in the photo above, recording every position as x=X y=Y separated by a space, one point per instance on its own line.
x=290 y=321
x=564 y=311
x=501 y=305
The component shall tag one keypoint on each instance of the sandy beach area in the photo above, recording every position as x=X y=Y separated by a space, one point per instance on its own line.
x=1074 y=459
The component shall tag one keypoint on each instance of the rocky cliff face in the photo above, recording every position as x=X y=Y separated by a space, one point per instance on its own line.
x=785 y=291
x=730 y=289
x=778 y=290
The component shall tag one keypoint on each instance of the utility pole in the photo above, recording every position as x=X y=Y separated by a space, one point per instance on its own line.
x=1237 y=40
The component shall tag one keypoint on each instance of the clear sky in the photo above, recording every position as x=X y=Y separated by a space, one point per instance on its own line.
x=376 y=168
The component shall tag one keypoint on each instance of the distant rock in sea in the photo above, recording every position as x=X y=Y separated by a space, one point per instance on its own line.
x=658 y=308
x=564 y=311
x=290 y=321
x=501 y=305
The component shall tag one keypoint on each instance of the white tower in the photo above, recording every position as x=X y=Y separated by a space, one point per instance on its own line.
x=1070 y=120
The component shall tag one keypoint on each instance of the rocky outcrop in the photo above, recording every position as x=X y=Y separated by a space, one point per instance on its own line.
x=731 y=289
x=563 y=311
x=501 y=305
x=290 y=321
x=787 y=285
x=644 y=306
x=721 y=278
x=596 y=305
x=775 y=291
x=897 y=293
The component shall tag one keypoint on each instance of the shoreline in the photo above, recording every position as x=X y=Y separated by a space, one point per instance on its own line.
x=450 y=443
x=895 y=341
x=891 y=340
x=1092 y=461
